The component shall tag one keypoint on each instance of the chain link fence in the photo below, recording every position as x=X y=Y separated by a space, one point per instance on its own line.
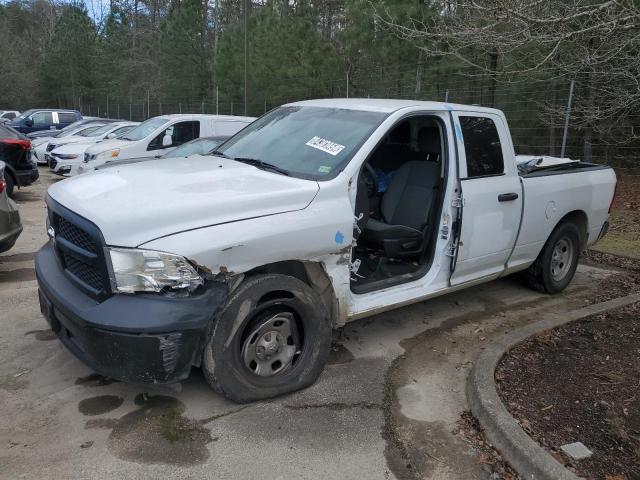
x=539 y=111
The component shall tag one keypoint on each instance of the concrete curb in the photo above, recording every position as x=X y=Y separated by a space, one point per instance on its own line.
x=528 y=458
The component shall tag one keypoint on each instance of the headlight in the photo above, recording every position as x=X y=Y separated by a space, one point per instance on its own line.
x=107 y=154
x=135 y=270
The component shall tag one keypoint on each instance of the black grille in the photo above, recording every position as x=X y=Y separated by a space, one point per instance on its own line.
x=84 y=272
x=52 y=162
x=78 y=245
x=76 y=235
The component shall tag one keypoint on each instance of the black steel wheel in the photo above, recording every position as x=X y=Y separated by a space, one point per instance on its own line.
x=272 y=337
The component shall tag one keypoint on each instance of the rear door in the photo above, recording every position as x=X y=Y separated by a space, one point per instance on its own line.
x=491 y=199
x=64 y=119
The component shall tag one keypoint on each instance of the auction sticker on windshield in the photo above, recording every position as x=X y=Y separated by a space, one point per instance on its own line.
x=325 y=145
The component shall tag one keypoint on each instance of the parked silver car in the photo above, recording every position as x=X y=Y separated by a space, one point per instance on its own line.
x=10 y=226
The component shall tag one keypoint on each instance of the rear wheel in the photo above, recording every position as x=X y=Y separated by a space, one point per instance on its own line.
x=272 y=337
x=556 y=265
x=10 y=184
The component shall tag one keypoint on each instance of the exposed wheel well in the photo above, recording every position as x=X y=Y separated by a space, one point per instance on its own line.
x=13 y=176
x=579 y=219
x=311 y=273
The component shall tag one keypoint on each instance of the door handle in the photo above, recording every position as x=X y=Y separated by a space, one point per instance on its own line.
x=507 y=197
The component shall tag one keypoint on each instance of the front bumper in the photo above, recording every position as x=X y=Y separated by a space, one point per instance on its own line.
x=61 y=167
x=143 y=338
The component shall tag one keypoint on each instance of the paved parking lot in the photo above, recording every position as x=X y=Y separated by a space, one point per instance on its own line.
x=387 y=406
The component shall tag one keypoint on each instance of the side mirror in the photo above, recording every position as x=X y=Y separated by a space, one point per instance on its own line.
x=167 y=141
x=112 y=135
x=28 y=122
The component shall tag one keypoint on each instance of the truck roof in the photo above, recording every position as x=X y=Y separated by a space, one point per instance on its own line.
x=388 y=105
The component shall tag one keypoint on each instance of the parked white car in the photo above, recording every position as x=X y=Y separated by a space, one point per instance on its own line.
x=318 y=213
x=40 y=145
x=68 y=153
x=8 y=115
x=158 y=135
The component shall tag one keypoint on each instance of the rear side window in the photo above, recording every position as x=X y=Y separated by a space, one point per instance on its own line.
x=184 y=132
x=66 y=117
x=482 y=147
x=42 y=118
x=9 y=115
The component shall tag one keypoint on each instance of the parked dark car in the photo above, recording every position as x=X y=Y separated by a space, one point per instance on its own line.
x=10 y=226
x=44 y=119
x=15 y=152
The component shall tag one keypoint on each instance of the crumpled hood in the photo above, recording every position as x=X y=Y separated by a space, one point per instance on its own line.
x=134 y=204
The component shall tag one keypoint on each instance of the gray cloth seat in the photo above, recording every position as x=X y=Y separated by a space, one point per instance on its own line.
x=405 y=209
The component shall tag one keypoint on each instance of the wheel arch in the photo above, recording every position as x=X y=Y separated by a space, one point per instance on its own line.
x=580 y=219
x=311 y=273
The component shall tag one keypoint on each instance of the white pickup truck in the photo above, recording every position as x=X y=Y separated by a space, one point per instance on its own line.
x=318 y=213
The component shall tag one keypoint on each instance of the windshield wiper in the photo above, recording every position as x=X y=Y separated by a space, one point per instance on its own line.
x=262 y=165
x=220 y=154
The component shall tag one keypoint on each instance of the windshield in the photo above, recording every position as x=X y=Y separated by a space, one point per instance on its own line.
x=23 y=115
x=76 y=131
x=145 y=128
x=201 y=146
x=74 y=125
x=309 y=142
x=89 y=132
x=100 y=130
x=118 y=132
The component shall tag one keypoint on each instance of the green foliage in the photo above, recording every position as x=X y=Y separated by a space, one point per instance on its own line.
x=67 y=71
x=144 y=57
x=184 y=46
x=288 y=58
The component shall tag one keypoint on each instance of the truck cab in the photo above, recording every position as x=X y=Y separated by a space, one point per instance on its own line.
x=318 y=213
x=44 y=119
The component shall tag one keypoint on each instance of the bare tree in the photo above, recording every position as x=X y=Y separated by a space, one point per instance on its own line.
x=595 y=43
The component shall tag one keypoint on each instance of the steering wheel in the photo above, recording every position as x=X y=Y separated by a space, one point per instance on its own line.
x=371 y=179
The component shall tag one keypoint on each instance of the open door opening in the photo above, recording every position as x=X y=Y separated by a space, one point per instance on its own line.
x=398 y=204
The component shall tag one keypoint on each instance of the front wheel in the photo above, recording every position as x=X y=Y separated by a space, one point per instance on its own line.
x=272 y=337
x=556 y=265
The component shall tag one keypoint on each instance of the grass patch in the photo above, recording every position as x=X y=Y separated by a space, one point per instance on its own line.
x=624 y=234
x=624 y=222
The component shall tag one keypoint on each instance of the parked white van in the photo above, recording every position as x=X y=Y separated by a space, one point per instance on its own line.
x=158 y=135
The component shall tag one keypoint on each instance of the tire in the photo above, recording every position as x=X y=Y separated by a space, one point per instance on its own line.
x=10 y=184
x=556 y=265
x=233 y=362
